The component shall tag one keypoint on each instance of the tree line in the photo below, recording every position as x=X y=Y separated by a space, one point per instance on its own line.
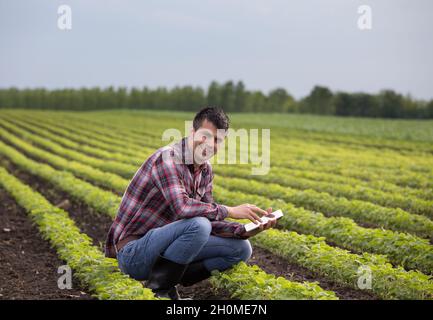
x=231 y=96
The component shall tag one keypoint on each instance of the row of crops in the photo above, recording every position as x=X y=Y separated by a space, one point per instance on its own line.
x=337 y=220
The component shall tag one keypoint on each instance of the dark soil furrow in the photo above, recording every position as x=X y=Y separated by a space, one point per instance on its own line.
x=28 y=265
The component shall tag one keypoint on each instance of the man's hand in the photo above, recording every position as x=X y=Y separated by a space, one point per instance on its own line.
x=247 y=211
x=270 y=224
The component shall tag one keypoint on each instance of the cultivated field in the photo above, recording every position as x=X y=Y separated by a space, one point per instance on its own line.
x=357 y=196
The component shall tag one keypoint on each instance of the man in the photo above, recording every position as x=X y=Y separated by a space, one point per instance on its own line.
x=168 y=229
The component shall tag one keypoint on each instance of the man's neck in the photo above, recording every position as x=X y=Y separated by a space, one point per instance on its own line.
x=189 y=145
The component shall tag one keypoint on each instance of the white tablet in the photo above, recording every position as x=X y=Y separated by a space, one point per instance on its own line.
x=274 y=215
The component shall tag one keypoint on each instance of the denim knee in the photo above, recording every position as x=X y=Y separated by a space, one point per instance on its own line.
x=201 y=226
x=244 y=250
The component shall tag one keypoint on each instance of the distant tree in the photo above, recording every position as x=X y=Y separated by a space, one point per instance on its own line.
x=240 y=97
x=256 y=102
x=291 y=105
x=366 y=105
x=214 y=94
x=429 y=109
x=355 y=104
x=121 y=98
x=342 y=104
x=320 y=101
x=228 y=97
x=277 y=100
x=390 y=104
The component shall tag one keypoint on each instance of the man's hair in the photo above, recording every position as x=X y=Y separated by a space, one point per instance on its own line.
x=215 y=115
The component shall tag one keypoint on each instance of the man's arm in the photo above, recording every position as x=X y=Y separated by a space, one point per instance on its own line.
x=228 y=229
x=223 y=228
x=165 y=177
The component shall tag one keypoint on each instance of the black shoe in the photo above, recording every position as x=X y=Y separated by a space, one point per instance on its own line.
x=195 y=272
x=164 y=276
x=169 y=293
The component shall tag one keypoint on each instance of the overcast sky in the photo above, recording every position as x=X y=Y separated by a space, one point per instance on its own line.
x=266 y=44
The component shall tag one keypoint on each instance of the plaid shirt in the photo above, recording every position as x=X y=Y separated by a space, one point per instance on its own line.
x=165 y=189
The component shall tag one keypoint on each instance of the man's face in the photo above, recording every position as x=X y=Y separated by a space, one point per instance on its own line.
x=206 y=141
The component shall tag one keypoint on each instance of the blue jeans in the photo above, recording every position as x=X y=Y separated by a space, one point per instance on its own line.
x=182 y=241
